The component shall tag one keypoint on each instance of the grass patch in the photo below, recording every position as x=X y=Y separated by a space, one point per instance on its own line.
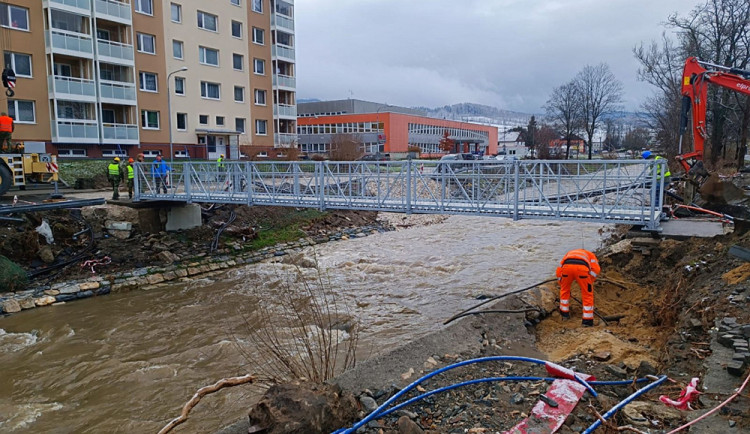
x=285 y=228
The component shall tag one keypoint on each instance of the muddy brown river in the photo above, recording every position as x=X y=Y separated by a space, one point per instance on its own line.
x=129 y=361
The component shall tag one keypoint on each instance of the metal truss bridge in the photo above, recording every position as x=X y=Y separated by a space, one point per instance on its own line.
x=606 y=191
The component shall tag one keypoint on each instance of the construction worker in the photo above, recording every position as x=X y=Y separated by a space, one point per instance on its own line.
x=113 y=172
x=583 y=267
x=160 y=171
x=131 y=178
x=648 y=155
x=141 y=158
x=7 y=126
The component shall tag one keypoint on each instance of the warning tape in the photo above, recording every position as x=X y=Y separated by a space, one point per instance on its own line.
x=96 y=262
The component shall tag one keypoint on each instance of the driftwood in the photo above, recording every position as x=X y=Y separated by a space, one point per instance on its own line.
x=203 y=391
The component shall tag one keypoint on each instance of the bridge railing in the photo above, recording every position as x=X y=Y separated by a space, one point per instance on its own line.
x=617 y=191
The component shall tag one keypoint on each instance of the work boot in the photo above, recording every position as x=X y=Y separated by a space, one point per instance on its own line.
x=588 y=323
x=565 y=315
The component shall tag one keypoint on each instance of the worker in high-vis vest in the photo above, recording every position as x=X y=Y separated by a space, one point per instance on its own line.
x=6 y=132
x=113 y=172
x=648 y=155
x=131 y=178
x=583 y=267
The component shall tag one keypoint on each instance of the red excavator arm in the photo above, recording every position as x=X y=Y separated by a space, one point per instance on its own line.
x=695 y=80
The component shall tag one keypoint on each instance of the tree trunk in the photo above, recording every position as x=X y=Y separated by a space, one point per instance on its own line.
x=567 y=150
x=591 y=144
x=742 y=145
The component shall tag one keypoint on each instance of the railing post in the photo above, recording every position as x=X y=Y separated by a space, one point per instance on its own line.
x=408 y=186
x=516 y=187
x=296 y=169
x=604 y=191
x=321 y=167
x=136 y=182
x=187 y=171
x=249 y=181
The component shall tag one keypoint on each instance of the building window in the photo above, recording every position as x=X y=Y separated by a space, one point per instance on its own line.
x=239 y=125
x=146 y=43
x=177 y=49
x=259 y=36
x=257 y=6
x=14 y=17
x=210 y=90
x=114 y=153
x=148 y=81
x=149 y=120
x=144 y=6
x=237 y=61
x=22 y=112
x=235 y=2
x=208 y=56
x=219 y=121
x=71 y=152
x=260 y=97
x=284 y=8
x=263 y=154
x=207 y=21
x=284 y=38
x=261 y=127
x=181 y=121
x=259 y=66
x=179 y=85
x=182 y=154
x=203 y=119
x=20 y=63
x=176 y=13
x=236 y=29
x=239 y=94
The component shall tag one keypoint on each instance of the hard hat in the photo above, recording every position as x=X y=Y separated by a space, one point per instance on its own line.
x=646 y=155
x=131 y=160
x=117 y=158
x=222 y=155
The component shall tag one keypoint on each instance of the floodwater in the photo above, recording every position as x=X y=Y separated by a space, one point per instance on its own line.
x=129 y=361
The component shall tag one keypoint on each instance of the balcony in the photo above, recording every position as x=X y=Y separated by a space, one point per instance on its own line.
x=81 y=7
x=285 y=111
x=69 y=43
x=283 y=52
x=282 y=22
x=114 y=11
x=284 y=140
x=71 y=88
x=284 y=81
x=75 y=130
x=120 y=133
x=116 y=92
x=115 y=52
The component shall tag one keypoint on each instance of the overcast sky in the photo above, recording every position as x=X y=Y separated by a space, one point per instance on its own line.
x=504 y=53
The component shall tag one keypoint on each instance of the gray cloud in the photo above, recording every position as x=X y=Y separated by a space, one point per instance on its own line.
x=506 y=53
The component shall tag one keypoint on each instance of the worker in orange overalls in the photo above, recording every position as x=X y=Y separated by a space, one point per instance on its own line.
x=582 y=266
x=6 y=130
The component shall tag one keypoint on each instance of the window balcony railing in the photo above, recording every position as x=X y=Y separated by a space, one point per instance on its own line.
x=284 y=81
x=282 y=22
x=72 y=86
x=115 y=90
x=78 y=129
x=79 y=4
x=115 y=50
x=284 y=52
x=119 y=131
x=285 y=110
x=119 y=10
x=74 y=43
x=285 y=139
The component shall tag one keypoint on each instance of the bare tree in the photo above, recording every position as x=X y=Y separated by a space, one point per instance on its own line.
x=346 y=147
x=564 y=107
x=601 y=93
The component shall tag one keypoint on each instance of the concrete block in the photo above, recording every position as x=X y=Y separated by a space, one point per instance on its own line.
x=184 y=217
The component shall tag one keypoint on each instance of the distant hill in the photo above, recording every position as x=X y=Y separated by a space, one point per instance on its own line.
x=483 y=114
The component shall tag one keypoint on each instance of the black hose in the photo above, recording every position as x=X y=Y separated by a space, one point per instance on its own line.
x=76 y=258
x=215 y=243
x=528 y=309
x=459 y=315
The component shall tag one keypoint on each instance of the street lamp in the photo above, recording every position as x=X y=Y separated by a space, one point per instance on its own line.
x=169 y=114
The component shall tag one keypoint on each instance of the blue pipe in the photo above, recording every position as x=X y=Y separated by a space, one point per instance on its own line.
x=414 y=384
x=495 y=379
x=625 y=402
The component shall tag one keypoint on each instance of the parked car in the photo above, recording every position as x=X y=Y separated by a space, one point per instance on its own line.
x=375 y=157
x=454 y=157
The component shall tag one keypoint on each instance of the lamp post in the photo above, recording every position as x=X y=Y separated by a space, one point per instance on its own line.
x=169 y=114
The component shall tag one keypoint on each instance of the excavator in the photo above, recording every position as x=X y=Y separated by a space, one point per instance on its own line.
x=696 y=77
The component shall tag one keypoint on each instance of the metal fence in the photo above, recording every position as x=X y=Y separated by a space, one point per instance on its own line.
x=612 y=191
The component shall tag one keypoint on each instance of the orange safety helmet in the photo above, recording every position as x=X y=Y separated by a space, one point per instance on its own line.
x=131 y=160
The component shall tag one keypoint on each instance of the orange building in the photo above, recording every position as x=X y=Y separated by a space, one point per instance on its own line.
x=385 y=129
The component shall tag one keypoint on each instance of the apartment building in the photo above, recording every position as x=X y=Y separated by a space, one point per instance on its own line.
x=106 y=77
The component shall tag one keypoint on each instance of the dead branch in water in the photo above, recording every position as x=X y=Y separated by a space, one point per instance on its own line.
x=203 y=391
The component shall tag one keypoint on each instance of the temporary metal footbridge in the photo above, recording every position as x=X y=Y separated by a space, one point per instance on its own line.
x=607 y=191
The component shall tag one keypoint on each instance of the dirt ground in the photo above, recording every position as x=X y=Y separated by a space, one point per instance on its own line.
x=74 y=243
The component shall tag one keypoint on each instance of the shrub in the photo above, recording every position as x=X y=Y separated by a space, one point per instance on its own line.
x=12 y=276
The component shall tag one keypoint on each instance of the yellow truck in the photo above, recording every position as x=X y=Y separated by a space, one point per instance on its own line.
x=22 y=168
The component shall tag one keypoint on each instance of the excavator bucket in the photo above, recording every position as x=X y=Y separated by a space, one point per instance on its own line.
x=720 y=191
